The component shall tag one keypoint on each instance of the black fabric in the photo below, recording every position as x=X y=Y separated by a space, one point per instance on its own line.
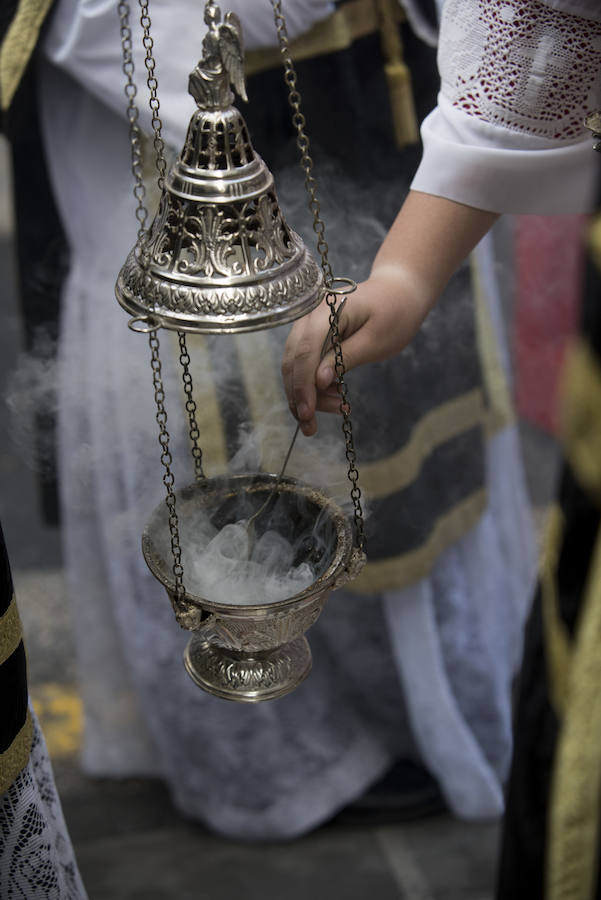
x=346 y=101
x=426 y=7
x=522 y=861
x=363 y=178
x=6 y=582
x=8 y=8
x=42 y=264
x=523 y=851
x=402 y=522
x=13 y=671
x=521 y=864
x=13 y=696
x=591 y=319
x=15 y=119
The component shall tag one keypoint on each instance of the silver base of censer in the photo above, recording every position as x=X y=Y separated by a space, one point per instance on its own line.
x=254 y=652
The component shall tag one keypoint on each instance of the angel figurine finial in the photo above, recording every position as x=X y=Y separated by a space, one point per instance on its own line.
x=222 y=62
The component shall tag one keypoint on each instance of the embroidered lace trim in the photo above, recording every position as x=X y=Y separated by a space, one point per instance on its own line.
x=36 y=856
x=521 y=65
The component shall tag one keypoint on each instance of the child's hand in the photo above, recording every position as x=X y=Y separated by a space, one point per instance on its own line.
x=378 y=320
x=429 y=238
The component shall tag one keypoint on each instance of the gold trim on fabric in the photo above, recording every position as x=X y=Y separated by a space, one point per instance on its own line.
x=18 y=45
x=500 y=411
x=579 y=415
x=11 y=631
x=439 y=425
x=400 y=571
x=352 y=21
x=574 y=819
x=398 y=76
x=377 y=479
x=556 y=636
x=15 y=758
x=339 y=31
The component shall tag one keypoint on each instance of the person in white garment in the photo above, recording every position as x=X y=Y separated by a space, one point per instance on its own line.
x=507 y=136
x=416 y=668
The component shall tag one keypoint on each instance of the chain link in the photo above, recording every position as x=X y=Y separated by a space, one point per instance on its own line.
x=184 y=358
x=153 y=85
x=347 y=427
x=298 y=120
x=161 y=165
x=302 y=141
x=166 y=461
x=133 y=117
x=303 y=144
x=142 y=217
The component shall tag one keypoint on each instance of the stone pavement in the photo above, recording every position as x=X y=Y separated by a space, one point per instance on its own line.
x=132 y=845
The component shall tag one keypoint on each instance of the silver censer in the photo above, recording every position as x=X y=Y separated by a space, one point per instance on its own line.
x=219 y=257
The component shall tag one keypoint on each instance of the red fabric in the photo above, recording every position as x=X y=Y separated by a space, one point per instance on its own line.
x=549 y=267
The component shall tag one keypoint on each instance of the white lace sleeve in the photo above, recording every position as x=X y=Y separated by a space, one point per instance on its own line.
x=517 y=79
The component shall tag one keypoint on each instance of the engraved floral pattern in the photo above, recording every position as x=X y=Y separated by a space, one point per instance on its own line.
x=213 y=241
x=151 y=293
x=272 y=674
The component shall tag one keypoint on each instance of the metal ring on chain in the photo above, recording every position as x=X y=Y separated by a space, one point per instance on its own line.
x=347 y=286
x=144 y=324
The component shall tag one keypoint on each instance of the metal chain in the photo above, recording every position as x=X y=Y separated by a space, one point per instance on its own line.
x=347 y=427
x=166 y=460
x=161 y=165
x=153 y=85
x=142 y=216
x=184 y=358
x=302 y=141
x=133 y=117
x=303 y=144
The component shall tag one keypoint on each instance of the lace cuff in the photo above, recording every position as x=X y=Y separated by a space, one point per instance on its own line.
x=507 y=173
x=517 y=80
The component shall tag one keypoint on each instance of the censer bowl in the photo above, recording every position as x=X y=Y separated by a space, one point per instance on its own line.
x=252 y=652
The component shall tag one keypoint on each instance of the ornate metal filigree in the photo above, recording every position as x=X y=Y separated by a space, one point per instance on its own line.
x=217 y=141
x=235 y=647
x=259 y=633
x=187 y=615
x=236 y=306
x=243 y=238
x=248 y=678
x=219 y=255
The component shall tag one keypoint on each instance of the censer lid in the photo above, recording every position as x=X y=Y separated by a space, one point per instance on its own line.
x=219 y=256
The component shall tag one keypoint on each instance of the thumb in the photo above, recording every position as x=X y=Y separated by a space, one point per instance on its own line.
x=326 y=373
x=356 y=350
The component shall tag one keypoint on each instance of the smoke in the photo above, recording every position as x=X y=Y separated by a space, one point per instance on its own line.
x=356 y=215
x=31 y=397
x=100 y=390
x=223 y=572
x=290 y=547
